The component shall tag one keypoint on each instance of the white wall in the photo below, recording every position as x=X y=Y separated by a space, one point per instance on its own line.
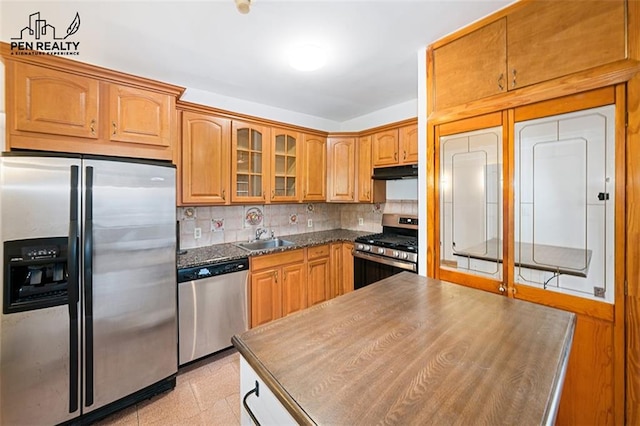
x=2 y=146
x=399 y=112
x=387 y=115
x=422 y=163
x=259 y=110
x=405 y=189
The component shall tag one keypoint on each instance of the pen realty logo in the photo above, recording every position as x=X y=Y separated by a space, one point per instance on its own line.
x=42 y=38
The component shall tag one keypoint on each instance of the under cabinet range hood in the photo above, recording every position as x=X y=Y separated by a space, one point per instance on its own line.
x=396 y=172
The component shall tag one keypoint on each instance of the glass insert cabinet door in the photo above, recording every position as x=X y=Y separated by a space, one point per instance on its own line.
x=249 y=161
x=470 y=202
x=285 y=166
x=564 y=203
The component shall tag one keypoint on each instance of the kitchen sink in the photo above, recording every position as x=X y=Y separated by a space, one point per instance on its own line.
x=265 y=244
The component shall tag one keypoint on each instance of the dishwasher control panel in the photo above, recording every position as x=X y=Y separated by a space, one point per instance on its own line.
x=212 y=270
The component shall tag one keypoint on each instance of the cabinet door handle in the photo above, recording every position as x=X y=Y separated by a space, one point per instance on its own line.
x=275 y=274
x=501 y=82
x=404 y=155
x=395 y=156
x=513 y=82
x=255 y=390
x=224 y=194
x=92 y=126
x=273 y=194
x=115 y=127
x=502 y=288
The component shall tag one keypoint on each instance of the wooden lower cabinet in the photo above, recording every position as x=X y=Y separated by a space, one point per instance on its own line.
x=587 y=394
x=289 y=281
x=347 y=267
x=341 y=268
x=318 y=275
x=294 y=288
x=277 y=285
x=266 y=297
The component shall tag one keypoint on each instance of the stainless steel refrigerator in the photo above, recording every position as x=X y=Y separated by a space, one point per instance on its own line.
x=89 y=319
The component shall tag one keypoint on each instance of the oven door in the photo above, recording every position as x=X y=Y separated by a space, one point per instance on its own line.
x=369 y=268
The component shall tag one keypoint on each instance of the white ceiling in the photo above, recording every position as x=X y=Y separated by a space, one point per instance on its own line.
x=208 y=46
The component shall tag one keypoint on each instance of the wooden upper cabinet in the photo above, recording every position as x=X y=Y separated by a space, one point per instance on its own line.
x=395 y=146
x=531 y=42
x=53 y=102
x=365 y=169
x=249 y=162
x=65 y=106
x=409 y=144
x=314 y=173
x=139 y=116
x=206 y=142
x=341 y=169
x=285 y=165
x=548 y=39
x=471 y=67
x=385 y=148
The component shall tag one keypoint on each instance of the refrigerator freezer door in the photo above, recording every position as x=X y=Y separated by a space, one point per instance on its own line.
x=34 y=358
x=132 y=333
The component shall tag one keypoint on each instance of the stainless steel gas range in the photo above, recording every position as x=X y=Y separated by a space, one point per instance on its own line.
x=394 y=250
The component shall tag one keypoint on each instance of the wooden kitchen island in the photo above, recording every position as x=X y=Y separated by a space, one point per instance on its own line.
x=409 y=350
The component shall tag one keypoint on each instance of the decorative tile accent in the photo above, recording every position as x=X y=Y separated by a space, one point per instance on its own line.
x=189 y=213
x=310 y=208
x=217 y=225
x=377 y=208
x=253 y=216
x=293 y=219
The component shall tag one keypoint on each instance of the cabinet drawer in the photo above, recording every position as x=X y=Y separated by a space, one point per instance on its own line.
x=277 y=259
x=318 y=251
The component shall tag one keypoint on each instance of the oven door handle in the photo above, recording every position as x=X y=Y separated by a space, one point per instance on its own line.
x=391 y=262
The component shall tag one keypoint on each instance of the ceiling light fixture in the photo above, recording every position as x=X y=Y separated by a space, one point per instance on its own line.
x=243 y=6
x=308 y=57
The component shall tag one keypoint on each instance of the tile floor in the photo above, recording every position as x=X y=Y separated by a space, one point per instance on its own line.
x=206 y=393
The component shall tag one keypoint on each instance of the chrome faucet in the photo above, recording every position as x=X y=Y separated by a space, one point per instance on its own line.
x=260 y=231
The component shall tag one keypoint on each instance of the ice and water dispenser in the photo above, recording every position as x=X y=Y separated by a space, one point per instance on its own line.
x=36 y=274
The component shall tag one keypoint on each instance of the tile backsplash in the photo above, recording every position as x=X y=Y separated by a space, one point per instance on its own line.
x=229 y=224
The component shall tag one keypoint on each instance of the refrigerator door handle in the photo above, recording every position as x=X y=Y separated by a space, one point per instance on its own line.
x=88 y=286
x=73 y=289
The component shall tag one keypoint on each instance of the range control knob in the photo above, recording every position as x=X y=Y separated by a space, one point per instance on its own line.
x=405 y=256
x=396 y=253
x=366 y=248
x=359 y=247
x=380 y=250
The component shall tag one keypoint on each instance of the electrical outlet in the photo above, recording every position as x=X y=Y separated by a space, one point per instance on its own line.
x=197 y=233
x=360 y=221
x=309 y=223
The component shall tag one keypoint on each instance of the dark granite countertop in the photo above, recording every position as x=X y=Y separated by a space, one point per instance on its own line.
x=229 y=251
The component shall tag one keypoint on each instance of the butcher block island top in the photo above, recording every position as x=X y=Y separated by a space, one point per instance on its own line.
x=413 y=350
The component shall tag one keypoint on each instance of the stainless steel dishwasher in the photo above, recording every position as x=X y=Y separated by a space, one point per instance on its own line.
x=212 y=307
